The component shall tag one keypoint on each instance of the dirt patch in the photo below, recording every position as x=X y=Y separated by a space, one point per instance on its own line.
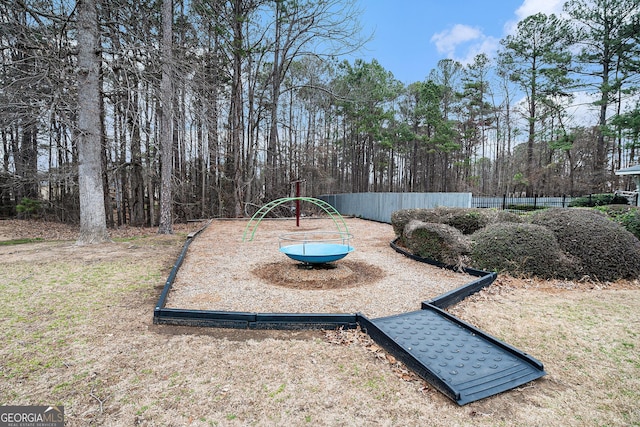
x=345 y=274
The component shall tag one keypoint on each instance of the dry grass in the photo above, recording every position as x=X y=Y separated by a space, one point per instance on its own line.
x=76 y=327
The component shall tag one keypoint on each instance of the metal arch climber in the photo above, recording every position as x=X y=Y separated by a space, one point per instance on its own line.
x=254 y=222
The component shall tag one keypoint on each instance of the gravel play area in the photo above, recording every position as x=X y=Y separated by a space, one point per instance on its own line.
x=223 y=272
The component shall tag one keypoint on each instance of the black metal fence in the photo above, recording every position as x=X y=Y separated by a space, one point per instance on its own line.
x=521 y=203
x=538 y=202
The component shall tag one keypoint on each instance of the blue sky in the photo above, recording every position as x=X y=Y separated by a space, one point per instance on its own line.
x=411 y=36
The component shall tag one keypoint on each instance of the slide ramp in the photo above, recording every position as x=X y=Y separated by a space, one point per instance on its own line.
x=458 y=359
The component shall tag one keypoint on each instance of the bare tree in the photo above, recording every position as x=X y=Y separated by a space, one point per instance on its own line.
x=301 y=28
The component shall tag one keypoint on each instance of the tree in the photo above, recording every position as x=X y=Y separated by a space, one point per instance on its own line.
x=368 y=89
x=93 y=225
x=166 y=136
x=36 y=101
x=421 y=109
x=166 y=121
x=446 y=140
x=479 y=112
x=607 y=38
x=537 y=58
x=303 y=28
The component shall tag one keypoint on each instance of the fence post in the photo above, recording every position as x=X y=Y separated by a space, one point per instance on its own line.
x=564 y=198
x=504 y=201
x=535 y=201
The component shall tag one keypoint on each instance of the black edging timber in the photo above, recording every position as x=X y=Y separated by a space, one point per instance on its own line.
x=455 y=296
x=290 y=321
x=247 y=320
x=174 y=271
x=304 y=321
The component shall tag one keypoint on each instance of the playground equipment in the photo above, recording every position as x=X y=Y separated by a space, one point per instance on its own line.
x=316 y=247
x=254 y=222
x=306 y=247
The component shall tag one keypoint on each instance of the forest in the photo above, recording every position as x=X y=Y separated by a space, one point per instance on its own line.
x=156 y=111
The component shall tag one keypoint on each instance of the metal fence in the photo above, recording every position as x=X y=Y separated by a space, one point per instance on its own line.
x=380 y=206
x=521 y=203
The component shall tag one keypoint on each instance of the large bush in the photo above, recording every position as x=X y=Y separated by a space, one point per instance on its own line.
x=466 y=220
x=439 y=242
x=400 y=218
x=521 y=250
x=554 y=243
x=606 y=250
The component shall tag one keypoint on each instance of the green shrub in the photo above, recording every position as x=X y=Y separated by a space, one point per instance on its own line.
x=598 y=200
x=520 y=250
x=28 y=207
x=625 y=215
x=439 y=242
x=467 y=221
x=555 y=243
x=606 y=250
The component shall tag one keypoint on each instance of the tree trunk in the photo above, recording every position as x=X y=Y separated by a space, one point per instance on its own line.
x=166 y=139
x=271 y=166
x=93 y=226
x=236 y=114
x=137 y=180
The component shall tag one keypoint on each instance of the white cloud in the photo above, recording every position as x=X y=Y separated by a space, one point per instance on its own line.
x=448 y=40
x=531 y=7
x=486 y=45
x=463 y=43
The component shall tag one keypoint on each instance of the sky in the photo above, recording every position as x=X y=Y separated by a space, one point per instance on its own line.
x=411 y=36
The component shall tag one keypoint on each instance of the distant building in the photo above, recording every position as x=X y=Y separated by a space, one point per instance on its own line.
x=634 y=173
